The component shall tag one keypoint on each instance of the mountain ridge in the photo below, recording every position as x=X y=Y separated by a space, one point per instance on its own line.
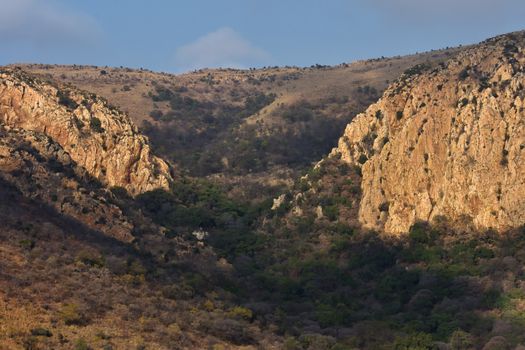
x=445 y=142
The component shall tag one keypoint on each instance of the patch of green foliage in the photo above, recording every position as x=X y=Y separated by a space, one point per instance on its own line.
x=430 y=285
x=65 y=100
x=417 y=69
x=96 y=125
x=197 y=203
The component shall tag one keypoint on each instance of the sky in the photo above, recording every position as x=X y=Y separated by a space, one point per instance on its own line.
x=182 y=35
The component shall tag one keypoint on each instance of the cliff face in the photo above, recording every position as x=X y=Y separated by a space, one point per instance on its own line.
x=95 y=136
x=40 y=170
x=446 y=143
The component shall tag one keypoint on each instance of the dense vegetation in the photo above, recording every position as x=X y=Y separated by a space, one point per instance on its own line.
x=188 y=131
x=307 y=275
x=326 y=284
x=211 y=137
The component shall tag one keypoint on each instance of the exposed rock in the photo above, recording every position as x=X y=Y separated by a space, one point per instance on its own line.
x=446 y=143
x=319 y=212
x=42 y=171
x=297 y=211
x=277 y=202
x=200 y=234
x=95 y=136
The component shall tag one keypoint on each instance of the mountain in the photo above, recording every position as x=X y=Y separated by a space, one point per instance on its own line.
x=275 y=227
x=253 y=131
x=445 y=143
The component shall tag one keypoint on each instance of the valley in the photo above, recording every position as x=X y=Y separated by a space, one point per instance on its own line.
x=370 y=205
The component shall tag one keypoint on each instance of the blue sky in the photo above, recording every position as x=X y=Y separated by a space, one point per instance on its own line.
x=180 y=35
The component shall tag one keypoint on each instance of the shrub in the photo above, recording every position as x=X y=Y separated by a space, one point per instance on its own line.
x=316 y=341
x=79 y=123
x=241 y=312
x=30 y=343
x=460 y=340
x=72 y=315
x=156 y=114
x=420 y=233
x=163 y=94
x=230 y=330
x=510 y=49
x=96 y=125
x=120 y=192
x=27 y=244
x=417 y=69
x=90 y=259
x=300 y=112
x=331 y=315
x=331 y=212
x=484 y=253
x=418 y=341
x=81 y=344
x=464 y=74
x=384 y=206
x=175 y=331
x=292 y=344
x=41 y=332
x=65 y=100
x=463 y=102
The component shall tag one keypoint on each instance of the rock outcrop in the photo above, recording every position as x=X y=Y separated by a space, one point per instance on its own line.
x=446 y=142
x=40 y=170
x=97 y=137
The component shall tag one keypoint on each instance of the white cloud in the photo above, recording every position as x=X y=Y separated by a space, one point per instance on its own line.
x=221 y=48
x=40 y=23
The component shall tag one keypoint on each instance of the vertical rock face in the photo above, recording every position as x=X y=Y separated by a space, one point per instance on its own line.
x=447 y=142
x=42 y=171
x=97 y=137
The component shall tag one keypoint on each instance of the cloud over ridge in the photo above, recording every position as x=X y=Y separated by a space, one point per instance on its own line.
x=221 y=48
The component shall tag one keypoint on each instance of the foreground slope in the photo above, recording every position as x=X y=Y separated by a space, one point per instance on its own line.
x=81 y=264
x=446 y=143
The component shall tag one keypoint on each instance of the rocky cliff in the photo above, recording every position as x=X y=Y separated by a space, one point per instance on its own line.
x=40 y=170
x=446 y=143
x=95 y=136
